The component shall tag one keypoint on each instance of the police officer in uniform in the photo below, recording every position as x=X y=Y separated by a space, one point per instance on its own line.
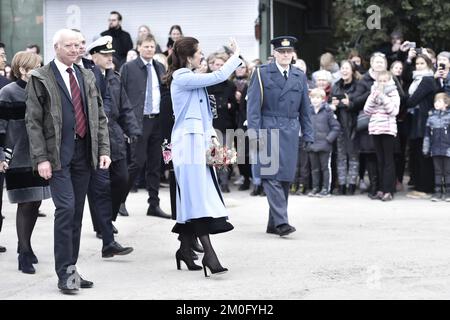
x=107 y=189
x=278 y=103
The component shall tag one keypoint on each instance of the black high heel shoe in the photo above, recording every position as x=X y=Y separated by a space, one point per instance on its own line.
x=218 y=270
x=187 y=260
x=25 y=264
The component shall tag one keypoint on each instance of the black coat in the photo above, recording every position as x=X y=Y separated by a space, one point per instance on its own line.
x=226 y=104
x=3 y=81
x=242 y=109
x=437 y=134
x=346 y=115
x=122 y=43
x=134 y=80
x=121 y=118
x=423 y=97
x=359 y=97
x=326 y=129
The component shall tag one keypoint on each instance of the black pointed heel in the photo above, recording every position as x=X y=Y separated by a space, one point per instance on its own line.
x=219 y=270
x=25 y=264
x=187 y=260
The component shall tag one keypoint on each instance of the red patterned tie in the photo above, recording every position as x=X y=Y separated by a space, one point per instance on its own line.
x=80 y=117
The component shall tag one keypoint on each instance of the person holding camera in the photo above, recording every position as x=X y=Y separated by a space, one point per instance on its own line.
x=419 y=104
x=347 y=149
x=442 y=74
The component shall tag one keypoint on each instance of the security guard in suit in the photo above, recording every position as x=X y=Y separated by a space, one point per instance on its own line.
x=107 y=189
x=278 y=107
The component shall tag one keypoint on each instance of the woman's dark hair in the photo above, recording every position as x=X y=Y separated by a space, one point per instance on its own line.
x=182 y=49
x=427 y=60
x=355 y=73
x=170 y=41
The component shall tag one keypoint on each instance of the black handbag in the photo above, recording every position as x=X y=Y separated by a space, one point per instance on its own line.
x=362 y=122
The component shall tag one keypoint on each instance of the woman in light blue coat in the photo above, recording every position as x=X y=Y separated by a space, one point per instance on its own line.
x=199 y=205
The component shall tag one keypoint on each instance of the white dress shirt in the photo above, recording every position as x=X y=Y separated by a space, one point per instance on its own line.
x=62 y=68
x=156 y=94
x=282 y=69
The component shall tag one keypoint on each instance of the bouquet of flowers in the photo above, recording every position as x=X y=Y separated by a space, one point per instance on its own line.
x=220 y=156
x=166 y=151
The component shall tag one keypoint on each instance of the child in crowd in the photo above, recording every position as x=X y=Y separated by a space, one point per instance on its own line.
x=326 y=130
x=437 y=144
x=383 y=105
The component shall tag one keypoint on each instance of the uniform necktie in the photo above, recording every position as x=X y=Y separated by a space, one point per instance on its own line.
x=80 y=117
x=285 y=74
x=148 y=91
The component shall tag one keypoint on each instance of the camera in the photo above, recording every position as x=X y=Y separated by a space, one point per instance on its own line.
x=419 y=51
x=412 y=45
x=339 y=96
x=441 y=66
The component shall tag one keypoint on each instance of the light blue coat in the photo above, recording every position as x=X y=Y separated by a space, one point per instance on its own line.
x=197 y=195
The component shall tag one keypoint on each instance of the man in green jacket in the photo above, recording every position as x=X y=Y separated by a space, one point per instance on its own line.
x=68 y=134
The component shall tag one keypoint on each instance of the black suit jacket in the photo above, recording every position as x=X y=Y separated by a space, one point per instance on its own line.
x=3 y=81
x=68 y=114
x=134 y=80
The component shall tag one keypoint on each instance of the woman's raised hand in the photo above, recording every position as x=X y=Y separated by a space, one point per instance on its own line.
x=234 y=46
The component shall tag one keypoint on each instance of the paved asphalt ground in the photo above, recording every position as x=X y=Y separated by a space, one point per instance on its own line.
x=344 y=248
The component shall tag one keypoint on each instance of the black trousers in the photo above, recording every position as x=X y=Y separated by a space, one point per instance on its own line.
x=320 y=168
x=100 y=204
x=147 y=150
x=303 y=168
x=69 y=187
x=2 y=178
x=441 y=170
x=384 y=148
x=400 y=158
x=421 y=167
x=370 y=164
x=118 y=174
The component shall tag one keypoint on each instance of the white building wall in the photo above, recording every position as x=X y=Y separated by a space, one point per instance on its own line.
x=212 y=22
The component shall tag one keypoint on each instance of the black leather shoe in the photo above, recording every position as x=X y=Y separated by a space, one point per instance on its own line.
x=284 y=229
x=2 y=249
x=86 y=284
x=256 y=191
x=115 y=231
x=271 y=230
x=351 y=189
x=123 y=210
x=262 y=193
x=115 y=249
x=245 y=185
x=157 y=212
x=66 y=288
x=342 y=190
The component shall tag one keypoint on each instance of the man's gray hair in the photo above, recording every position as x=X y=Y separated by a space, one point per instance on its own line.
x=61 y=33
